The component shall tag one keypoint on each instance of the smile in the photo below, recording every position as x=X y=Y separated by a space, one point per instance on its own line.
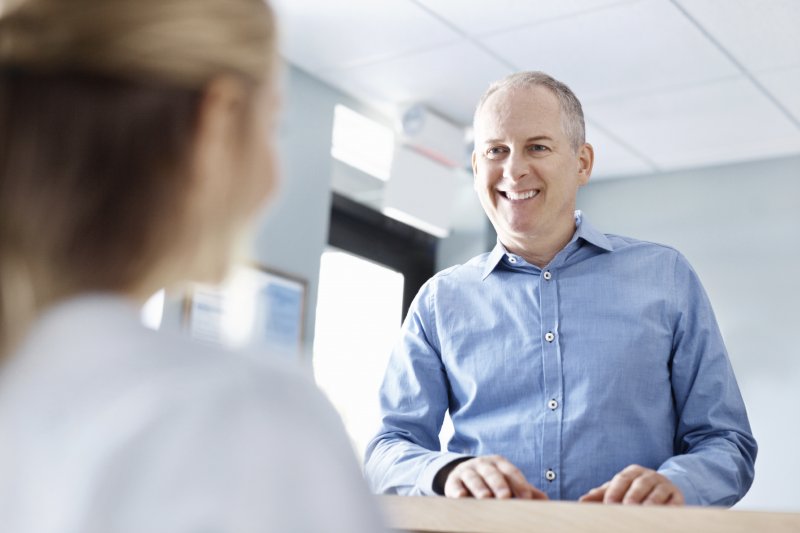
x=521 y=195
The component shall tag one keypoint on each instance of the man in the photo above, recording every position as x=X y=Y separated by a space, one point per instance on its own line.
x=574 y=364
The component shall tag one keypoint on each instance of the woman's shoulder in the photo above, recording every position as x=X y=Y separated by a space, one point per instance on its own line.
x=140 y=417
x=92 y=353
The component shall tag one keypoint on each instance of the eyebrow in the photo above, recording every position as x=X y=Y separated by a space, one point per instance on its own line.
x=528 y=140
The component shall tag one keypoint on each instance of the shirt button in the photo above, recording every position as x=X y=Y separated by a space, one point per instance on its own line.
x=552 y=404
x=549 y=337
x=550 y=475
x=547 y=275
x=512 y=259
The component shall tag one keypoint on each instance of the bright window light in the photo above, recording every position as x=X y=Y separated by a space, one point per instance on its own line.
x=359 y=308
x=411 y=220
x=362 y=143
x=153 y=311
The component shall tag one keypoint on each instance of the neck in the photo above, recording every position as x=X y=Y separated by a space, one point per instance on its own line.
x=540 y=248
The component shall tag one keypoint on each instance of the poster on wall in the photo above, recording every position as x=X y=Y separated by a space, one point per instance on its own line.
x=256 y=309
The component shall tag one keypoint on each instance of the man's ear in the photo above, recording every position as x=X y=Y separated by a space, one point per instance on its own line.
x=585 y=163
x=474 y=168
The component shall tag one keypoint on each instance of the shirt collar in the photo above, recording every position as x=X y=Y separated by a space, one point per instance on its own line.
x=590 y=234
x=584 y=231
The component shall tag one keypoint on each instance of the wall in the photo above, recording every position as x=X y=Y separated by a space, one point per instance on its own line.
x=739 y=226
x=294 y=229
x=471 y=233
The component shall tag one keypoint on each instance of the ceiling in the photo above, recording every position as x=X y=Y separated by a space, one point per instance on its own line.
x=665 y=84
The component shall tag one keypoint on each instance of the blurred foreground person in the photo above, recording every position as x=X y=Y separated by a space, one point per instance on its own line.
x=135 y=145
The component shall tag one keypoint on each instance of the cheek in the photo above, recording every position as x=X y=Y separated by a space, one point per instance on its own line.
x=268 y=177
x=261 y=174
x=484 y=177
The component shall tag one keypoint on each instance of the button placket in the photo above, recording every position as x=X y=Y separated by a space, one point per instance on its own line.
x=553 y=383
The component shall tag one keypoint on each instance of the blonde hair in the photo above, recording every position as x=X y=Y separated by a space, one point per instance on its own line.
x=98 y=106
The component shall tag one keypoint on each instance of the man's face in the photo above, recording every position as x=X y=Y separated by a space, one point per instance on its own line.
x=526 y=172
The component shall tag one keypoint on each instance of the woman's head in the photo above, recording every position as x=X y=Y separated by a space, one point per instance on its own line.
x=135 y=142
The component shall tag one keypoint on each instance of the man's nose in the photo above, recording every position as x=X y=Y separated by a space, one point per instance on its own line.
x=515 y=166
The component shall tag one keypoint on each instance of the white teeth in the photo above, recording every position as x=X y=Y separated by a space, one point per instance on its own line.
x=521 y=195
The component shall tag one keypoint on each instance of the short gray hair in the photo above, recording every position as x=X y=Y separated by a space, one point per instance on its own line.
x=572 y=121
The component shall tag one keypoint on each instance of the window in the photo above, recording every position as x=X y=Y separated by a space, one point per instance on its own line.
x=359 y=306
x=362 y=143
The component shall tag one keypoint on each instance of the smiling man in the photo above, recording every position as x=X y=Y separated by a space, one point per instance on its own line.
x=574 y=364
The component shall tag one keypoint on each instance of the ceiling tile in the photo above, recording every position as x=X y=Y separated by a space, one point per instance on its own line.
x=784 y=85
x=436 y=78
x=318 y=34
x=760 y=34
x=612 y=159
x=715 y=123
x=623 y=50
x=478 y=18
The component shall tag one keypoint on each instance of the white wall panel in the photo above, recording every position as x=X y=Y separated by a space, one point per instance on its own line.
x=784 y=84
x=629 y=49
x=319 y=34
x=761 y=34
x=481 y=18
x=723 y=121
x=436 y=78
x=612 y=159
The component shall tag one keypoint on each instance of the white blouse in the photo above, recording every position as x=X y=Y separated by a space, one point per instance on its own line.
x=108 y=427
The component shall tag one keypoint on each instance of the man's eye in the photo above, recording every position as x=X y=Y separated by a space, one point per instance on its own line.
x=495 y=151
x=539 y=148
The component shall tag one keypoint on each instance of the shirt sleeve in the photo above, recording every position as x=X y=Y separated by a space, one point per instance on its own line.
x=404 y=456
x=715 y=447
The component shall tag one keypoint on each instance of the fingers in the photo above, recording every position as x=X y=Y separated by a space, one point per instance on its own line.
x=520 y=487
x=495 y=478
x=636 y=485
x=454 y=488
x=489 y=477
x=673 y=496
x=596 y=494
x=478 y=485
x=659 y=495
x=621 y=483
x=643 y=486
x=677 y=498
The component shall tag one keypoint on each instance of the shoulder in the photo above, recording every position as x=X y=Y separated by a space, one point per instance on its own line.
x=155 y=417
x=638 y=252
x=470 y=271
x=92 y=359
x=449 y=283
x=625 y=244
x=207 y=374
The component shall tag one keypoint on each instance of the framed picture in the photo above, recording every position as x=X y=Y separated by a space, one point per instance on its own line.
x=256 y=308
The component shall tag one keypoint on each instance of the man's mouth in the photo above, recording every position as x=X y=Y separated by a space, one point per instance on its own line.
x=520 y=195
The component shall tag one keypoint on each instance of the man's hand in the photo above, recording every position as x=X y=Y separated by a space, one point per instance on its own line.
x=636 y=485
x=490 y=476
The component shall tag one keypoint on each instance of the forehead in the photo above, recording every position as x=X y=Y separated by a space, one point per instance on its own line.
x=523 y=111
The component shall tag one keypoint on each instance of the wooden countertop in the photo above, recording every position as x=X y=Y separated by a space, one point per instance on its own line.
x=444 y=515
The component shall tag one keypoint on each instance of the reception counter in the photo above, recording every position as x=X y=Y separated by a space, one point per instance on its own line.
x=444 y=515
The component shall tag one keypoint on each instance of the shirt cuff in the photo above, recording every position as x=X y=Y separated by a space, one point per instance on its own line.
x=425 y=480
x=684 y=483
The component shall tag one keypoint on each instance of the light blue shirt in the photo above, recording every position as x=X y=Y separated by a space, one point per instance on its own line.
x=608 y=356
